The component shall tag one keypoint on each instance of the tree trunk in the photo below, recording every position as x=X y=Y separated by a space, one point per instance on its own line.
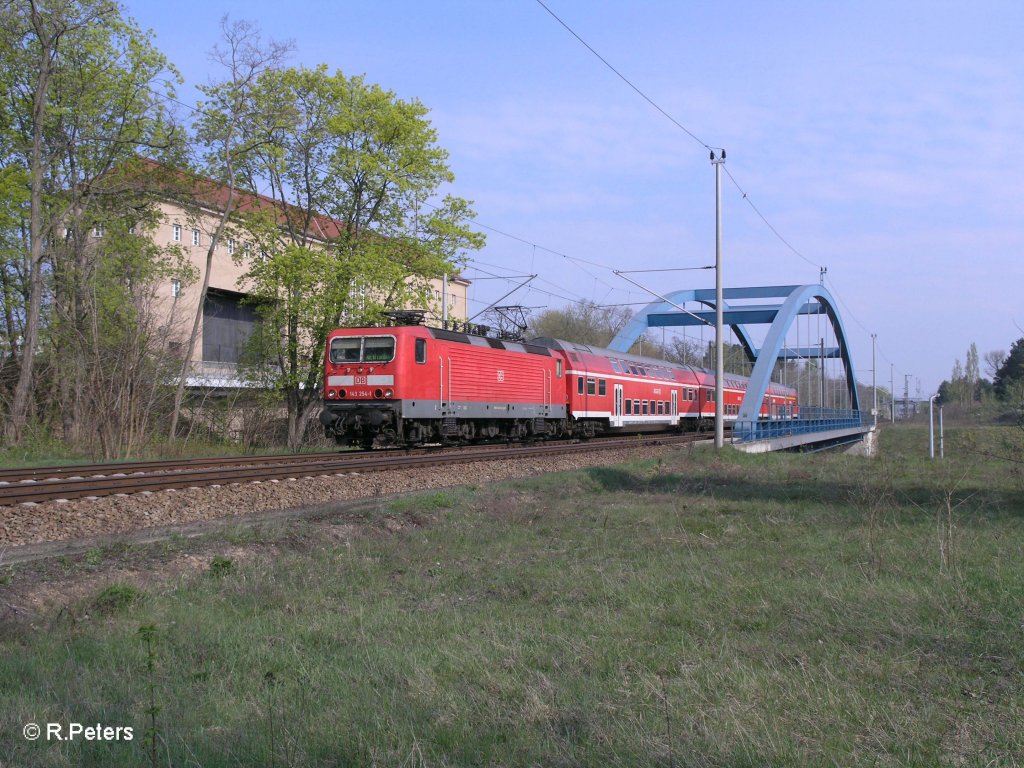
x=20 y=404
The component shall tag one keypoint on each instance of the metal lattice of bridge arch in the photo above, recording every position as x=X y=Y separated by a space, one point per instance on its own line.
x=798 y=300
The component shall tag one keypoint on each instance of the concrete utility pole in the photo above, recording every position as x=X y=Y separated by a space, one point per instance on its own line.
x=874 y=389
x=444 y=301
x=892 y=392
x=719 y=335
x=906 y=395
x=931 y=426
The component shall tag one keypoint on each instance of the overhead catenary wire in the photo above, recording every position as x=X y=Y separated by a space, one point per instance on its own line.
x=745 y=196
x=626 y=80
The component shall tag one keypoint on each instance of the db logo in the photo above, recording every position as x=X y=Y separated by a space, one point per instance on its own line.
x=501 y=375
x=360 y=380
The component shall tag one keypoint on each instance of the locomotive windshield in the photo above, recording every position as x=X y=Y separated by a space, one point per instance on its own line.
x=378 y=349
x=362 y=349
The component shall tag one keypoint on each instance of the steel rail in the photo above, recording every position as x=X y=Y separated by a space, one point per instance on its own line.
x=85 y=487
x=56 y=472
x=130 y=467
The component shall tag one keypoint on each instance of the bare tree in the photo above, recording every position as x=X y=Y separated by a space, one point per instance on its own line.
x=994 y=360
x=226 y=130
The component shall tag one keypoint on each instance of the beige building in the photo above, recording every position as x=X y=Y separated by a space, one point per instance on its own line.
x=227 y=320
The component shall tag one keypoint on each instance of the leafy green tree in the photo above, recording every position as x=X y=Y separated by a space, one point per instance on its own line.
x=84 y=85
x=1011 y=371
x=349 y=232
x=972 y=372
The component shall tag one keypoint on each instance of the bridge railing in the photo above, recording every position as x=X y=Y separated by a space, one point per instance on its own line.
x=808 y=420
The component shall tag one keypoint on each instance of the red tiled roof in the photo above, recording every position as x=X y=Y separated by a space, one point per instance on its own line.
x=214 y=194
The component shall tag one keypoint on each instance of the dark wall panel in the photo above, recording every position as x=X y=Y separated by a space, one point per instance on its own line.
x=227 y=324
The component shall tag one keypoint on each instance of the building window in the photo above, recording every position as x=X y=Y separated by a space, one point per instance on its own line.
x=175 y=288
x=176 y=233
x=131 y=230
x=97 y=231
x=231 y=246
x=195 y=237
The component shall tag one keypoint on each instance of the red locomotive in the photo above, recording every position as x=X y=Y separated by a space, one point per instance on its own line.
x=412 y=384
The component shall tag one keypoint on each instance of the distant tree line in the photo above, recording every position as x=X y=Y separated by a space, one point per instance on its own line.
x=967 y=386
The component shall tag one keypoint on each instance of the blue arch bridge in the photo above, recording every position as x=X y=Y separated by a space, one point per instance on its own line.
x=815 y=428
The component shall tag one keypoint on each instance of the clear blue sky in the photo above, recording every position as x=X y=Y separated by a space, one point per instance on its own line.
x=881 y=140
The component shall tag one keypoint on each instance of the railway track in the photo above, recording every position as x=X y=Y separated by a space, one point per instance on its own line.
x=40 y=485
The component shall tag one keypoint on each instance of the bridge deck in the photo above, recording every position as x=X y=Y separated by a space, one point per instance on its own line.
x=815 y=428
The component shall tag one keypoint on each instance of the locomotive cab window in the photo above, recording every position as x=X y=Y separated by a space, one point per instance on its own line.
x=579 y=385
x=345 y=349
x=421 y=350
x=362 y=349
x=378 y=349
x=558 y=368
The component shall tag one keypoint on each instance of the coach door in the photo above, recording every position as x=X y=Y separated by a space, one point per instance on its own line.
x=675 y=403
x=617 y=410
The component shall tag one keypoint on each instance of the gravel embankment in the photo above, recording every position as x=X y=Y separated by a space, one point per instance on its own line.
x=58 y=521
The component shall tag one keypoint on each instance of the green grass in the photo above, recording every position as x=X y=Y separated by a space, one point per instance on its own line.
x=698 y=611
x=43 y=449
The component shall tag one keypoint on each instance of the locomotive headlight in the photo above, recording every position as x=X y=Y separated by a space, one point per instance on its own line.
x=378 y=393
x=389 y=393
x=332 y=393
x=341 y=393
